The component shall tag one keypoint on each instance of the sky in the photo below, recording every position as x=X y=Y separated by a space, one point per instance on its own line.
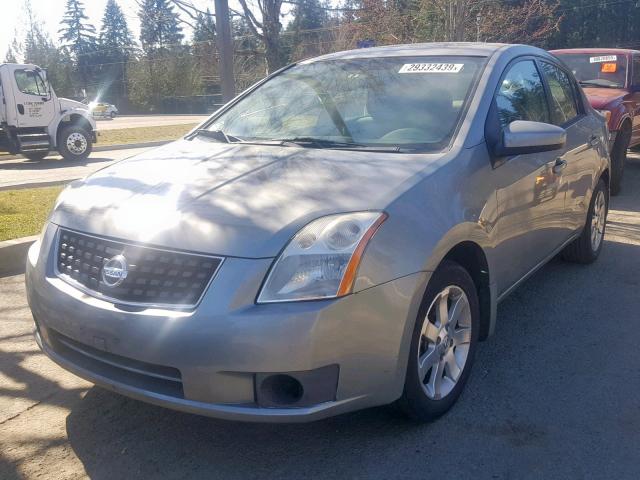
x=50 y=13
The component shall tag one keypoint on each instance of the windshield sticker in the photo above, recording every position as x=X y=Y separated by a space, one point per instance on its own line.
x=604 y=58
x=431 y=68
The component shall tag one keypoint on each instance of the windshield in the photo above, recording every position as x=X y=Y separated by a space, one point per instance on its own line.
x=597 y=70
x=397 y=101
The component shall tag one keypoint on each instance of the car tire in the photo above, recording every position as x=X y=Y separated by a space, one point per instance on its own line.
x=619 y=158
x=74 y=143
x=587 y=247
x=112 y=115
x=35 y=156
x=433 y=383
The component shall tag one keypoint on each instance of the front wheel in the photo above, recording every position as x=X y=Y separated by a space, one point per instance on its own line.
x=74 y=143
x=443 y=344
x=586 y=248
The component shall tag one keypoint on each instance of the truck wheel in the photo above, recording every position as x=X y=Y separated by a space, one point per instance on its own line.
x=35 y=156
x=74 y=143
x=619 y=157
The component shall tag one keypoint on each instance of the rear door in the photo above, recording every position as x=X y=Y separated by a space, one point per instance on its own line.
x=581 y=156
x=33 y=103
x=530 y=190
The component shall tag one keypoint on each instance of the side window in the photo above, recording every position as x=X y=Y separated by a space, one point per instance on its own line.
x=29 y=82
x=521 y=95
x=563 y=101
x=636 y=71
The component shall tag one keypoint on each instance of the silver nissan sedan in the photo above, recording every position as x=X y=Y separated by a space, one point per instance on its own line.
x=337 y=237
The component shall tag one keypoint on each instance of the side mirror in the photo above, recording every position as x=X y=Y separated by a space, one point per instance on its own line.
x=523 y=136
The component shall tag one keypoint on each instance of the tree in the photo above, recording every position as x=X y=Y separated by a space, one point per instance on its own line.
x=159 y=26
x=13 y=51
x=115 y=37
x=205 y=28
x=304 y=36
x=267 y=29
x=116 y=43
x=78 y=38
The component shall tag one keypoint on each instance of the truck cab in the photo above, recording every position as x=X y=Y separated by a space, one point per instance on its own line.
x=35 y=121
x=610 y=78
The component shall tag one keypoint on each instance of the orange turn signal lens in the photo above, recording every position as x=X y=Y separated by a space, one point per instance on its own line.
x=609 y=67
x=352 y=267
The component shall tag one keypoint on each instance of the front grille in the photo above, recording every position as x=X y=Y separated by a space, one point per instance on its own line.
x=154 y=276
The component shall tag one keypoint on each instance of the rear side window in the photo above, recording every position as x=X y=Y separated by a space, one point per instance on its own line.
x=521 y=95
x=563 y=101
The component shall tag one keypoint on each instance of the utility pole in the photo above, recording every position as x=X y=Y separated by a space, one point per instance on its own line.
x=225 y=50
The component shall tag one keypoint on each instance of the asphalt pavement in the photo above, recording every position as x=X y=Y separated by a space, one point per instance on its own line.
x=555 y=393
x=20 y=171
x=146 y=121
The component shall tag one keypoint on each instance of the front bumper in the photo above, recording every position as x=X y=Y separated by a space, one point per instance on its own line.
x=223 y=347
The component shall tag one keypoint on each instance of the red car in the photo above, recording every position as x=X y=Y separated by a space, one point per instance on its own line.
x=610 y=78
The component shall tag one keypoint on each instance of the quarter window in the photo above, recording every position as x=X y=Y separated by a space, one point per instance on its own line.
x=563 y=102
x=30 y=82
x=521 y=95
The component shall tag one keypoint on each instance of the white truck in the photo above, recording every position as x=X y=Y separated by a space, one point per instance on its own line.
x=34 y=121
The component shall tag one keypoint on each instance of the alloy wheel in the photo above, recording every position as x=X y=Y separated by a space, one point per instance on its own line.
x=445 y=339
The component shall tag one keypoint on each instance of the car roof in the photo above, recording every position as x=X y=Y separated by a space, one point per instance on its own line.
x=621 y=51
x=417 y=49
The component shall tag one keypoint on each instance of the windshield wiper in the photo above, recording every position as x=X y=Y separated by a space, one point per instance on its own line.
x=591 y=83
x=314 y=142
x=214 y=134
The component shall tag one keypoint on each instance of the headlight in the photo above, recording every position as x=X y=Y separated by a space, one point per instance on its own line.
x=322 y=259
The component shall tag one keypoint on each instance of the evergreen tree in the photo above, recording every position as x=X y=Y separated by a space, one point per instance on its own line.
x=115 y=37
x=204 y=29
x=14 y=50
x=10 y=57
x=159 y=25
x=116 y=44
x=302 y=37
x=78 y=38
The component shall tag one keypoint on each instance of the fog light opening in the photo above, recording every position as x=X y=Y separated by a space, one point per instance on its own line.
x=282 y=389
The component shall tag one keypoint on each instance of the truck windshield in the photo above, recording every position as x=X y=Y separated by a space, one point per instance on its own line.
x=597 y=69
x=413 y=102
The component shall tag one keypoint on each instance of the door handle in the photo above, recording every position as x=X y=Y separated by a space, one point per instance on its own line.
x=21 y=109
x=560 y=165
x=594 y=141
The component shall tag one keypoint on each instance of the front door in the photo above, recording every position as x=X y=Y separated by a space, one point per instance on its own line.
x=531 y=188
x=34 y=105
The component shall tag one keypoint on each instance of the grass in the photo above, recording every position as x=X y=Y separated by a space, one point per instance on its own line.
x=143 y=134
x=24 y=211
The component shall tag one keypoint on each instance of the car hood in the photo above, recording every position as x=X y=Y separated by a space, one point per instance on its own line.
x=601 y=98
x=231 y=199
x=67 y=104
